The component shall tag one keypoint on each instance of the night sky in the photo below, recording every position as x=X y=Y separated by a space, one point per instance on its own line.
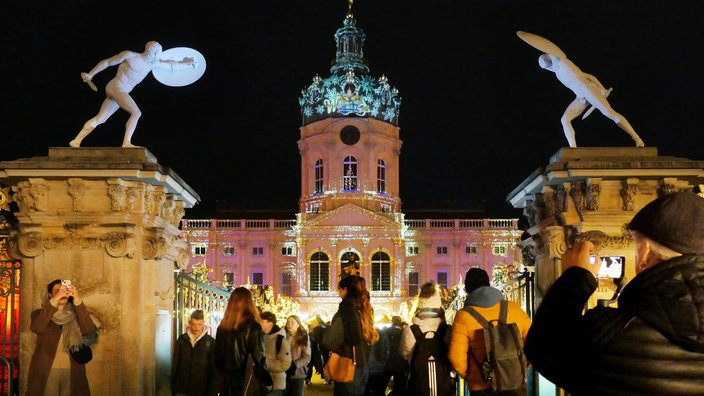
x=478 y=115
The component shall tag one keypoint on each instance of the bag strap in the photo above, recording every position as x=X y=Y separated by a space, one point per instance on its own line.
x=476 y=315
x=503 y=311
x=417 y=333
x=354 y=356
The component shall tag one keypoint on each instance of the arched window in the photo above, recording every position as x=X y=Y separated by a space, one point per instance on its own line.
x=318 y=176
x=349 y=173
x=319 y=272
x=381 y=272
x=381 y=176
x=349 y=264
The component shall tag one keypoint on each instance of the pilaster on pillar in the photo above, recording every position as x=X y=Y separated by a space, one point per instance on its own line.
x=106 y=218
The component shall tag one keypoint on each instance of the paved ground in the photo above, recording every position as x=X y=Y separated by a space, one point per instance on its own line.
x=317 y=387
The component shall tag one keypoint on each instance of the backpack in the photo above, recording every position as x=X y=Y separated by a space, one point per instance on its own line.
x=430 y=366
x=505 y=365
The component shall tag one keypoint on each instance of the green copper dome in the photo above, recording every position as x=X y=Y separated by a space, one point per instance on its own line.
x=350 y=91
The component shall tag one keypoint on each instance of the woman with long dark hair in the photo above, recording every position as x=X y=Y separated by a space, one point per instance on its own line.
x=239 y=348
x=300 y=356
x=352 y=332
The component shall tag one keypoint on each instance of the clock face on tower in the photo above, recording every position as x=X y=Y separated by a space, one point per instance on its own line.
x=349 y=135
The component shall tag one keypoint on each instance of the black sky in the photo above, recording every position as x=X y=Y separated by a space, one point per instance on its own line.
x=478 y=115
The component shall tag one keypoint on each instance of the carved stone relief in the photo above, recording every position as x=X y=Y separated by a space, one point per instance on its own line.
x=601 y=240
x=577 y=193
x=555 y=236
x=32 y=244
x=31 y=195
x=76 y=189
x=592 y=195
x=628 y=193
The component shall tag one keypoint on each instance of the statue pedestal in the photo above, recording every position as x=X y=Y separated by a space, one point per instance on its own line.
x=106 y=218
x=592 y=193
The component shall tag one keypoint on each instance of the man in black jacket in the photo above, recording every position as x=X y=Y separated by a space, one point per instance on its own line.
x=653 y=343
x=193 y=371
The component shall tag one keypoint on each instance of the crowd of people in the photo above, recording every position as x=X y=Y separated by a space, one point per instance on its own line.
x=652 y=343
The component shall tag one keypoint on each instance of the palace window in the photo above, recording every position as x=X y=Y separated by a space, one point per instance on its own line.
x=441 y=250
x=499 y=249
x=288 y=249
x=318 y=176
x=228 y=278
x=381 y=176
x=319 y=272
x=258 y=279
x=199 y=249
x=257 y=251
x=381 y=272
x=228 y=251
x=349 y=173
x=412 y=250
x=287 y=278
x=385 y=208
x=470 y=250
x=413 y=286
x=442 y=279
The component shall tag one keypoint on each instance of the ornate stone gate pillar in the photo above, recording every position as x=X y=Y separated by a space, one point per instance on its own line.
x=107 y=219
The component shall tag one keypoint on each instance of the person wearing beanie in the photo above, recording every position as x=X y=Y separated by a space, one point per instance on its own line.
x=466 y=330
x=653 y=342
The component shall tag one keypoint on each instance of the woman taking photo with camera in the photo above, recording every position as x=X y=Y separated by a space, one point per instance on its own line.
x=352 y=332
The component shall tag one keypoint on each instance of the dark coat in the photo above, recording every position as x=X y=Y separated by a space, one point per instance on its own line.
x=235 y=351
x=344 y=332
x=193 y=370
x=48 y=335
x=652 y=344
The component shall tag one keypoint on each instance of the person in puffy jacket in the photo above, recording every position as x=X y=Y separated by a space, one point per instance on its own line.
x=297 y=336
x=239 y=348
x=653 y=342
x=278 y=352
x=467 y=333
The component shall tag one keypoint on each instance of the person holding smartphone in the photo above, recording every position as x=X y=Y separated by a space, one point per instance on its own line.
x=60 y=325
x=653 y=342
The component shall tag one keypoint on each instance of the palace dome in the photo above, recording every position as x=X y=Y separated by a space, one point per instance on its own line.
x=350 y=90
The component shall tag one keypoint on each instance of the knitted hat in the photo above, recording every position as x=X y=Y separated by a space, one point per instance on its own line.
x=474 y=279
x=674 y=220
x=429 y=297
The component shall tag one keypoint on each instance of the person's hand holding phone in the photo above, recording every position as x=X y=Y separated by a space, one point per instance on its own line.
x=579 y=256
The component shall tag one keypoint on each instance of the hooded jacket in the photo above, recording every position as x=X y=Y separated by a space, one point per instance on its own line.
x=467 y=333
x=652 y=344
x=193 y=370
x=277 y=362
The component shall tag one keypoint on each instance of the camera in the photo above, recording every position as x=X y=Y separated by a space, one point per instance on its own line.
x=65 y=282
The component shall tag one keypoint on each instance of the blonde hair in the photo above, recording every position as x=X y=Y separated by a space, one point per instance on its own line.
x=240 y=307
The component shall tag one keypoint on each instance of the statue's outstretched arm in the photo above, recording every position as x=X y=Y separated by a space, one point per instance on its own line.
x=185 y=63
x=105 y=63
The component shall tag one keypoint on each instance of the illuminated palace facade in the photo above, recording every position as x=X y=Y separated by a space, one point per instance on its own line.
x=349 y=217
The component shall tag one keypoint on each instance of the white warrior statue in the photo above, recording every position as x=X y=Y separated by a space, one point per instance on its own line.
x=589 y=91
x=133 y=68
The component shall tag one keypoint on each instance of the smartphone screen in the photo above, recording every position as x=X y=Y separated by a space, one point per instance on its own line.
x=611 y=267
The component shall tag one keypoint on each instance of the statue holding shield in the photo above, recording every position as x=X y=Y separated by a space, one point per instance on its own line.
x=133 y=68
x=589 y=91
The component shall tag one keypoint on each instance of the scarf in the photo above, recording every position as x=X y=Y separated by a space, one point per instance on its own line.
x=70 y=330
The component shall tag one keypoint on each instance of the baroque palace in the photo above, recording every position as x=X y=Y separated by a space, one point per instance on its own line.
x=349 y=217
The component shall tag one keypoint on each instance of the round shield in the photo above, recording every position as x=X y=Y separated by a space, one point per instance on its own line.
x=541 y=43
x=181 y=74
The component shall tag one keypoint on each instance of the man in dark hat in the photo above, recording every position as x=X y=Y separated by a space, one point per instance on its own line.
x=653 y=342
